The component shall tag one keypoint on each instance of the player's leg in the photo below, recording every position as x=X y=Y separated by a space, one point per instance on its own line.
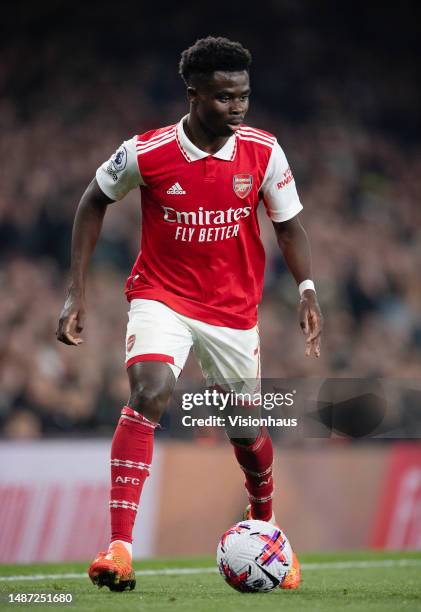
x=256 y=460
x=230 y=358
x=157 y=347
x=151 y=386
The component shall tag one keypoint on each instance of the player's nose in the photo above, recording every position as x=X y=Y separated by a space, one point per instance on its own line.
x=236 y=109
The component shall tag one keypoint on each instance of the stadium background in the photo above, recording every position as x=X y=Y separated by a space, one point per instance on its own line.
x=339 y=86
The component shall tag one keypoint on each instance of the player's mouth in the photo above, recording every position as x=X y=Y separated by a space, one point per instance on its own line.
x=235 y=124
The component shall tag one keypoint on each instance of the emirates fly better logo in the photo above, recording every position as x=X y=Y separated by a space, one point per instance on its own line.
x=214 y=225
x=242 y=184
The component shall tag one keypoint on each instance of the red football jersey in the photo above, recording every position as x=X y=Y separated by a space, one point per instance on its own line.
x=201 y=252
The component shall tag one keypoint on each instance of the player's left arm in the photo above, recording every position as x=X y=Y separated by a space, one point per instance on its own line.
x=294 y=244
x=283 y=205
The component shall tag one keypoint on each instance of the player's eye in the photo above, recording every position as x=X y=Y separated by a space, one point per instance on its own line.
x=223 y=98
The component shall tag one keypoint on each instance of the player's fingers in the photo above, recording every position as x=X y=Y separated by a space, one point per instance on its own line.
x=314 y=335
x=75 y=340
x=70 y=323
x=69 y=339
x=311 y=324
x=315 y=325
x=310 y=349
x=316 y=346
x=64 y=332
x=313 y=346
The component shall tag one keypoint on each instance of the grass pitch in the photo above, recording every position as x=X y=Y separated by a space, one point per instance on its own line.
x=363 y=581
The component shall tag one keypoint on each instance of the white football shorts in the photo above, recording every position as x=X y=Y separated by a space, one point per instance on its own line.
x=155 y=332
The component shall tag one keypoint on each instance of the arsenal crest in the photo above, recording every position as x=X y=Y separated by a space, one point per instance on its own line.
x=130 y=342
x=242 y=184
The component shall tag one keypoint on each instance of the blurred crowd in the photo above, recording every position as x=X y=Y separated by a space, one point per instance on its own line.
x=358 y=174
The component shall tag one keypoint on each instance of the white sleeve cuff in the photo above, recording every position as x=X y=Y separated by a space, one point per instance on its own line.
x=120 y=174
x=285 y=215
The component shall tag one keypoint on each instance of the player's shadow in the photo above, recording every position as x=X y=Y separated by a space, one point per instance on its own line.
x=354 y=408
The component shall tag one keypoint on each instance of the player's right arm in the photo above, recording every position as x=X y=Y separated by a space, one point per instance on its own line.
x=86 y=230
x=114 y=179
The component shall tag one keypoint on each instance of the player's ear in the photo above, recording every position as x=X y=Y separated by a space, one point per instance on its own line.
x=191 y=94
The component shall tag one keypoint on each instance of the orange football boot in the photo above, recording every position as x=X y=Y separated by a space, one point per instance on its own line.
x=293 y=578
x=113 y=569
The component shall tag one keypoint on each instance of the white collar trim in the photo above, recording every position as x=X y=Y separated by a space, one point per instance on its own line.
x=193 y=153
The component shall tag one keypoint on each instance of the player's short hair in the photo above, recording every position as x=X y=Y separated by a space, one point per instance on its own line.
x=213 y=53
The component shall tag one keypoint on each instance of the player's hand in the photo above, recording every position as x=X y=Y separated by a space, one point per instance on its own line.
x=311 y=322
x=71 y=320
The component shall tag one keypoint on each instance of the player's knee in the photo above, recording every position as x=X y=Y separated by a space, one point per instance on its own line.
x=244 y=441
x=149 y=400
x=245 y=436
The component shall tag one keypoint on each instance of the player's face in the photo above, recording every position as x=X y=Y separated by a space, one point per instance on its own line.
x=221 y=101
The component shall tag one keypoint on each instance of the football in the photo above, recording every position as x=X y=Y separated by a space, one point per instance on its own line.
x=254 y=556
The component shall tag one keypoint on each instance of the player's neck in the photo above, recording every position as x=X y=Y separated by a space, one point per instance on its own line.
x=202 y=138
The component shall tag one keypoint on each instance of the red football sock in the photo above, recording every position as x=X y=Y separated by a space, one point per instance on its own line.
x=131 y=456
x=256 y=462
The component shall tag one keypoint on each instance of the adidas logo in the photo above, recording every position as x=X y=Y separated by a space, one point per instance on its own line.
x=176 y=189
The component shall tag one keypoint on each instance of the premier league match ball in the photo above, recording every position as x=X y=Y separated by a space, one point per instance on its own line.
x=254 y=556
